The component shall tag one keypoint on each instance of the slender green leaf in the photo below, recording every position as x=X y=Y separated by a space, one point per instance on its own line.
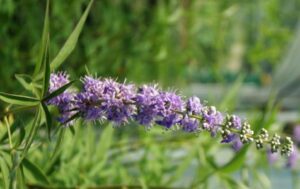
x=20 y=178
x=21 y=137
x=13 y=128
x=104 y=144
x=25 y=81
x=18 y=99
x=236 y=162
x=5 y=172
x=230 y=97
x=45 y=37
x=182 y=167
x=35 y=171
x=57 y=149
x=58 y=91
x=87 y=70
x=261 y=178
x=71 y=42
x=34 y=127
x=233 y=183
x=46 y=78
x=72 y=130
x=48 y=119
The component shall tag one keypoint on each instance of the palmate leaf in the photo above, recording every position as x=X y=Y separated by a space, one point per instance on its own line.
x=71 y=42
x=18 y=99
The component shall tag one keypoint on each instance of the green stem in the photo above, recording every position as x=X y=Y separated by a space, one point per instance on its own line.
x=9 y=133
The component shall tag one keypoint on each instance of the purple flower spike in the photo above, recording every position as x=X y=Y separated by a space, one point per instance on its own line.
x=106 y=99
x=171 y=103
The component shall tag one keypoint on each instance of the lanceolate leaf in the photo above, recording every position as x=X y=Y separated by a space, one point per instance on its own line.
x=48 y=119
x=71 y=42
x=5 y=172
x=58 y=91
x=35 y=171
x=20 y=178
x=57 y=149
x=25 y=81
x=18 y=99
x=44 y=42
x=34 y=127
x=105 y=141
x=46 y=78
x=236 y=162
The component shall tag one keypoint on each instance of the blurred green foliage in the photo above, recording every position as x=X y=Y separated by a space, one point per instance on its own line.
x=172 y=42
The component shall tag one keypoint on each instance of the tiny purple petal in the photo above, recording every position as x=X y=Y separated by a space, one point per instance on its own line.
x=237 y=144
x=296 y=134
x=293 y=158
x=272 y=157
x=229 y=138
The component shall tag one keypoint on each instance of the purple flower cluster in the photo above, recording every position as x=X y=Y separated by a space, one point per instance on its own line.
x=64 y=100
x=105 y=99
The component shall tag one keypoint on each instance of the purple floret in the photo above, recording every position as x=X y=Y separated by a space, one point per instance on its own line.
x=64 y=101
x=89 y=107
x=236 y=143
x=148 y=104
x=118 y=101
x=230 y=138
x=235 y=121
x=106 y=98
x=167 y=114
x=212 y=119
x=189 y=124
x=193 y=106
